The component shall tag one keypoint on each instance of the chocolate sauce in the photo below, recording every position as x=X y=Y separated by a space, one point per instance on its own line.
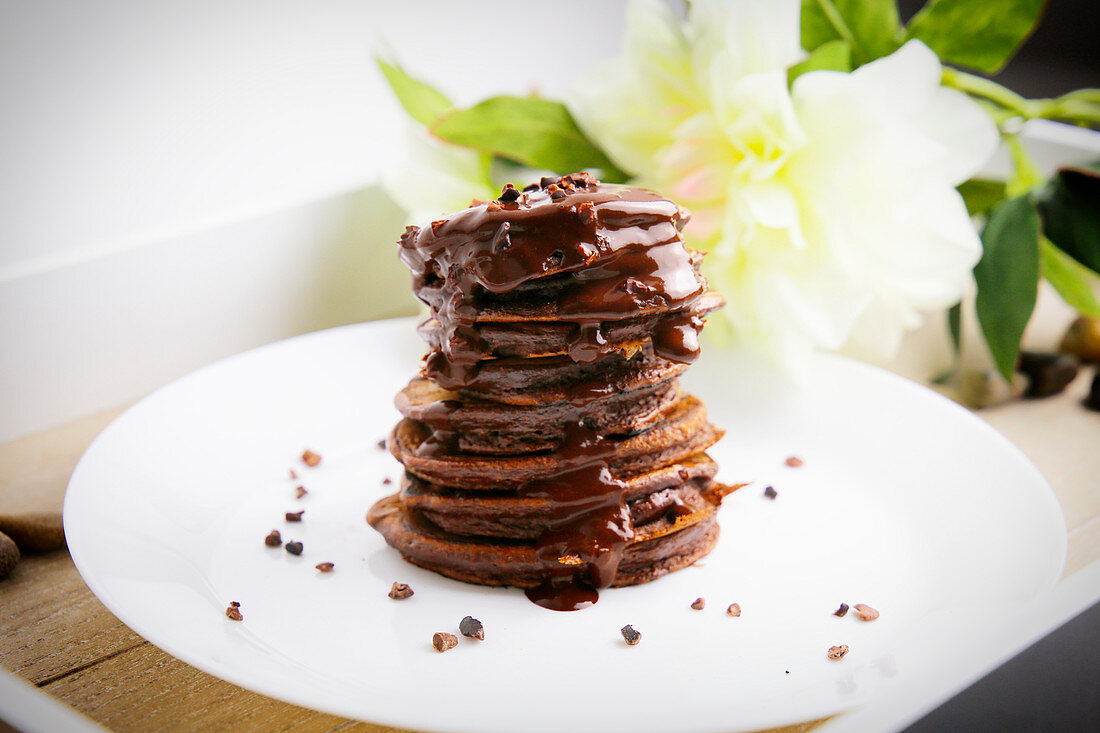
x=590 y=524
x=619 y=247
x=590 y=254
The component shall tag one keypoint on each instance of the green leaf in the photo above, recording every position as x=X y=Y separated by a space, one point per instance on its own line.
x=832 y=56
x=870 y=26
x=1075 y=283
x=424 y=103
x=954 y=326
x=1008 y=278
x=1070 y=205
x=529 y=130
x=979 y=34
x=981 y=194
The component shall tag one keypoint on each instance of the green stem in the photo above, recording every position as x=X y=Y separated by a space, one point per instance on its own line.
x=1066 y=108
x=978 y=86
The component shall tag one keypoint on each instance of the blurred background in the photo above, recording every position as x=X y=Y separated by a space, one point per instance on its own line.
x=183 y=181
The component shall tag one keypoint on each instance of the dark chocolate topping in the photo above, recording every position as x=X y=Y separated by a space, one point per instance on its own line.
x=620 y=248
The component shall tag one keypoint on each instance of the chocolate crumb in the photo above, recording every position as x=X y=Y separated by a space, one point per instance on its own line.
x=584 y=179
x=547 y=181
x=630 y=636
x=273 y=539
x=443 y=641
x=770 y=492
x=494 y=205
x=381 y=444
x=437 y=225
x=556 y=258
x=531 y=187
x=325 y=567
x=734 y=610
x=472 y=628
x=293 y=475
x=865 y=612
x=310 y=458
x=698 y=604
x=842 y=611
x=387 y=481
x=509 y=195
x=294 y=548
x=300 y=492
x=400 y=591
x=836 y=652
x=794 y=462
x=295 y=516
x=556 y=193
x=233 y=613
x=634 y=286
x=587 y=213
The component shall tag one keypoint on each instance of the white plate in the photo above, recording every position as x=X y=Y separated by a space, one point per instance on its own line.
x=905 y=502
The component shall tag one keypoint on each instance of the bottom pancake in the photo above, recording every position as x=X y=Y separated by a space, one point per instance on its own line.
x=660 y=547
x=679 y=488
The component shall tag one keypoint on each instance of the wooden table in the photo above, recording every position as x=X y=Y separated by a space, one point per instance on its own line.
x=55 y=633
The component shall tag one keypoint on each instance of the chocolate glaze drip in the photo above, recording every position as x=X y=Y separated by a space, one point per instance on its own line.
x=590 y=524
x=600 y=253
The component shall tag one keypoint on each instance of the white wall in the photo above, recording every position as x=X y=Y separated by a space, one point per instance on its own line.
x=180 y=181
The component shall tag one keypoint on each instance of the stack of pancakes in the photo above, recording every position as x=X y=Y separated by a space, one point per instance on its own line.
x=548 y=444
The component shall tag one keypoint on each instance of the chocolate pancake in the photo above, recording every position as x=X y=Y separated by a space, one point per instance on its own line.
x=503 y=334
x=682 y=432
x=677 y=488
x=658 y=548
x=498 y=428
x=552 y=378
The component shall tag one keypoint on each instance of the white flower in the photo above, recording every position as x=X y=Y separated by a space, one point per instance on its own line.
x=829 y=208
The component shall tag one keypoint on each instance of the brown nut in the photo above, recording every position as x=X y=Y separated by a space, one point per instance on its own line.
x=35 y=531
x=9 y=555
x=837 y=652
x=1082 y=339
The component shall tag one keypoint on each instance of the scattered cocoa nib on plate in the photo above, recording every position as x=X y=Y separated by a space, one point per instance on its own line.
x=273 y=539
x=325 y=567
x=770 y=492
x=294 y=548
x=630 y=636
x=293 y=475
x=699 y=604
x=400 y=591
x=842 y=611
x=387 y=481
x=865 y=612
x=472 y=628
x=295 y=516
x=734 y=609
x=310 y=458
x=442 y=641
x=836 y=652
x=794 y=462
x=381 y=444
x=233 y=613
x=300 y=492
